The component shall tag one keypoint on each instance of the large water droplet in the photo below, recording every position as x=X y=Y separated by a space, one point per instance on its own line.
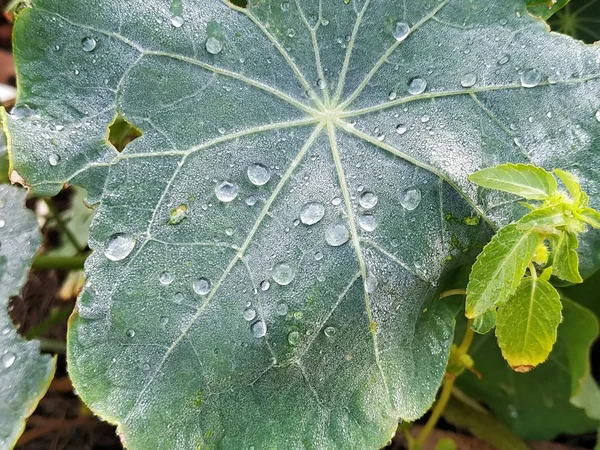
x=312 y=213
x=53 y=159
x=367 y=222
x=337 y=234
x=417 y=86
x=293 y=338
x=177 y=21
x=598 y=115
x=259 y=329
x=401 y=31
x=226 y=191
x=201 y=286
x=283 y=274
x=213 y=46
x=530 y=78
x=8 y=359
x=265 y=285
x=2 y=223
x=165 y=278
x=410 y=199
x=249 y=314
x=119 y=246
x=368 y=200
x=259 y=174
x=88 y=44
x=401 y=128
x=468 y=80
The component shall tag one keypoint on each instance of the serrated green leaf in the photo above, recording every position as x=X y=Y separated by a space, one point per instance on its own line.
x=484 y=323
x=499 y=269
x=591 y=216
x=565 y=260
x=537 y=404
x=524 y=180
x=546 y=8
x=216 y=90
x=24 y=374
x=572 y=185
x=546 y=220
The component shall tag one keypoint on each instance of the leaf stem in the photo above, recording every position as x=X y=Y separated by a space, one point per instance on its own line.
x=452 y=292
x=60 y=223
x=45 y=262
x=52 y=346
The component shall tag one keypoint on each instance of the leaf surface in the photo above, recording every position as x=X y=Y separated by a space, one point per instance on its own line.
x=527 y=181
x=565 y=264
x=24 y=374
x=264 y=252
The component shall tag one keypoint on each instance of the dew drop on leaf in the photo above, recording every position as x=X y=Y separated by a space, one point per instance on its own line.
x=53 y=159
x=130 y=333
x=251 y=200
x=401 y=31
x=164 y=320
x=226 y=191
x=2 y=223
x=417 y=86
x=178 y=298
x=336 y=201
x=410 y=199
x=368 y=200
x=177 y=21
x=401 y=128
x=370 y=283
x=318 y=256
x=598 y=115
x=201 y=286
x=312 y=213
x=530 y=78
x=329 y=331
x=8 y=359
x=503 y=60
x=283 y=274
x=88 y=44
x=293 y=338
x=119 y=246
x=285 y=6
x=337 y=234
x=213 y=46
x=165 y=278
x=259 y=329
x=282 y=309
x=249 y=314
x=258 y=174
x=265 y=285
x=468 y=80
x=367 y=222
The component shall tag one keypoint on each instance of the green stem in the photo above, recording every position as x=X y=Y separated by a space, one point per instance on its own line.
x=452 y=292
x=45 y=262
x=60 y=223
x=52 y=346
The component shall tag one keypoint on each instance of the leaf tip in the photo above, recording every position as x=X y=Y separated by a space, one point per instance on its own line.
x=523 y=368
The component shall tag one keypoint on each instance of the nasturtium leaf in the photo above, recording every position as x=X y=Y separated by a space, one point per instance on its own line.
x=499 y=269
x=320 y=151
x=527 y=181
x=546 y=8
x=526 y=324
x=485 y=322
x=565 y=260
x=537 y=404
x=25 y=374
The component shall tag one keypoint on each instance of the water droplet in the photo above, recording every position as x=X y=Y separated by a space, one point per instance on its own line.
x=259 y=329
x=53 y=159
x=283 y=274
x=165 y=278
x=259 y=174
x=329 y=331
x=337 y=234
x=425 y=118
x=417 y=86
x=401 y=128
x=468 y=80
x=321 y=84
x=282 y=309
x=8 y=359
x=530 y=78
x=2 y=223
x=130 y=333
x=368 y=200
x=119 y=246
x=318 y=256
x=201 y=286
x=178 y=298
x=285 y=6
x=226 y=191
x=291 y=32
x=251 y=200
x=410 y=199
x=213 y=46
x=312 y=213
x=336 y=201
x=503 y=60
x=88 y=44
x=265 y=285
x=393 y=95
x=177 y=21
x=163 y=320
x=5 y=331
x=371 y=283
x=401 y=31
x=367 y=222
x=293 y=338
x=249 y=314
x=598 y=115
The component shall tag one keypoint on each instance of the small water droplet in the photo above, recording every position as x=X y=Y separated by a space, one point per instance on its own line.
x=251 y=200
x=417 y=86
x=285 y=6
x=312 y=213
x=321 y=84
x=178 y=298
x=392 y=95
x=401 y=128
x=283 y=274
x=213 y=46
x=468 y=80
x=130 y=333
x=8 y=359
x=401 y=31
x=165 y=278
x=201 y=286
x=2 y=223
x=226 y=191
x=249 y=314
x=368 y=200
x=177 y=21
x=293 y=338
x=329 y=331
x=265 y=285
x=371 y=283
x=259 y=329
x=282 y=309
x=88 y=44
x=336 y=201
x=425 y=118
x=53 y=159
x=598 y=115
x=503 y=60
x=530 y=78
x=410 y=199
x=291 y=32
x=337 y=234
x=163 y=320
x=119 y=246
x=258 y=174
x=318 y=256
x=367 y=222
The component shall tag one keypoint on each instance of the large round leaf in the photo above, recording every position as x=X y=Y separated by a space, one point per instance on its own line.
x=265 y=252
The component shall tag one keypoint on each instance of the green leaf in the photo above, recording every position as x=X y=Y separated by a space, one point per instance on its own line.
x=384 y=142
x=524 y=180
x=484 y=323
x=565 y=260
x=591 y=216
x=3 y=159
x=526 y=324
x=537 y=404
x=499 y=269
x=546 y=8
x=572 y=185
x=24 y=374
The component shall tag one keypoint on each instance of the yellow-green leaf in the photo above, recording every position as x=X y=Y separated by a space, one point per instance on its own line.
x=565 y=260
x=526 y=324
x=485 y=322
x=571 y=184
x=591 y=216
